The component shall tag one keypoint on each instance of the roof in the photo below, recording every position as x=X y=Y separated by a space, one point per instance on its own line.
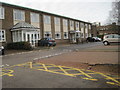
x=24 y=25
x=44 y=12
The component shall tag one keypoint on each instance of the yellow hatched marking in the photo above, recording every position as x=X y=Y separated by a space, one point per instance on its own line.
x=31 y=65
x=65 y=71
x=9 y=73
x=89 y=77
x=45 y=67
x=62 y=68
x=110 y=78
x=57 y=72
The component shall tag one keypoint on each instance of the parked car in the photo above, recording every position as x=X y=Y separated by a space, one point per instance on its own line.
x=90 y=39
x=47 y=42
x=111 y=38
x=1 y=50
x=97 y=39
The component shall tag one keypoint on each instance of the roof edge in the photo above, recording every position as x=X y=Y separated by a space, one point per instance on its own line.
x=44 y=12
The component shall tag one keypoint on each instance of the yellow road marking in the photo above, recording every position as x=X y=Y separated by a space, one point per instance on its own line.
x=31 y=65
x=45 y=67
x=8 y=73
x=110 y=78
x=65 y=70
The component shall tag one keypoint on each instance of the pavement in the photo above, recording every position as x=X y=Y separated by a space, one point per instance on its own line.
x=32 y=70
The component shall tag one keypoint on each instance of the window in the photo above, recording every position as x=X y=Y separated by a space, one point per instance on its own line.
x=72 y=23
x=77 y=24
x=1 y=13
x=86 y=26
x=65 y=22
x=57 y=21
x=82 y=25
x=57 y=35
x=34 y=17
x=2 y=36
x=47 y=19
x=89 y=27
x=65 y=35
x=47 y=34
x=19 y=15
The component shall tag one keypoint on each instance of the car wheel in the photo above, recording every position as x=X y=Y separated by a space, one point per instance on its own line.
x=54 y=45
x=48 y=45
x=105 y=43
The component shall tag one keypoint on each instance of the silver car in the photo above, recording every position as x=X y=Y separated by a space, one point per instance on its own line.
x=111 y=38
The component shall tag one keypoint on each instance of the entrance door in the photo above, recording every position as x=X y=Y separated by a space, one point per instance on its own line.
x=72 y=37
x=30 y=38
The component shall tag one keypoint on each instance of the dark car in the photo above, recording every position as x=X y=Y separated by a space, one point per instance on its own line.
x=90 y=39
x=47 y=42
x=1 y=50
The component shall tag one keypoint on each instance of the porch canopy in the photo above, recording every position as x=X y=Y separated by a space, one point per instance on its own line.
x=74 y=31
x=23 y=31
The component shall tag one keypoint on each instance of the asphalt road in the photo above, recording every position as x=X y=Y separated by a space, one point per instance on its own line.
x=31 y=78
x=30 y=56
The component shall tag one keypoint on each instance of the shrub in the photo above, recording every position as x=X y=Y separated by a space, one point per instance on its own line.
x=19 y=46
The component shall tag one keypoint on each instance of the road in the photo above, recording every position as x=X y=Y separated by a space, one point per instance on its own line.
x=20 y=75
x=30 y=56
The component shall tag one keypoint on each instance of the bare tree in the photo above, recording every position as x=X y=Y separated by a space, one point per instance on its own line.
x=114 y=14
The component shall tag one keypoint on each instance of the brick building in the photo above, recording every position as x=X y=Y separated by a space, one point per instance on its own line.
x=108 y=29
x=24 y=24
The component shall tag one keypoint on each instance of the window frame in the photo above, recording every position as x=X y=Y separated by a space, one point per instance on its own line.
x=4 y=36
x=21 y=13
x=77 y=24
x=47 y=19
x=57 y=20
x=2 y=12
x=71 y=23
x=65 y=22
x=34 y=17
x=65 y=37
x=59 y=35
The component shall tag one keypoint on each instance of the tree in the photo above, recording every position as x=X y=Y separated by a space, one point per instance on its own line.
x=114 y=14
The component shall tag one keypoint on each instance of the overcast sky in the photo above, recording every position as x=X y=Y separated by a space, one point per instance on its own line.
x=86 y=10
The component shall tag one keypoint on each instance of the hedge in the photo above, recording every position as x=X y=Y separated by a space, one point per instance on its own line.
x=19 y=46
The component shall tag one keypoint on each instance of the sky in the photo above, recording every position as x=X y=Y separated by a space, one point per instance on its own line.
x=85 y=10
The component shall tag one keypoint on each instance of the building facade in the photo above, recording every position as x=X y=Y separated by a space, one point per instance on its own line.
x=24 y=24
x=108 y=29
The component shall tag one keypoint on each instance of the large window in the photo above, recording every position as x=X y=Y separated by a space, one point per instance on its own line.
x=57 y=21
x=1 y=13
x=65 y=22
x=82 y=25
x=77 y=24
x=47 y=19
x=34 y=17
x=2 y=36
x=19 y=15
x=72 y=23
x=89 y=27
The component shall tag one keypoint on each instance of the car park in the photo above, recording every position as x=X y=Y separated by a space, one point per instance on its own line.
x=47 y=42
x=111 y=38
